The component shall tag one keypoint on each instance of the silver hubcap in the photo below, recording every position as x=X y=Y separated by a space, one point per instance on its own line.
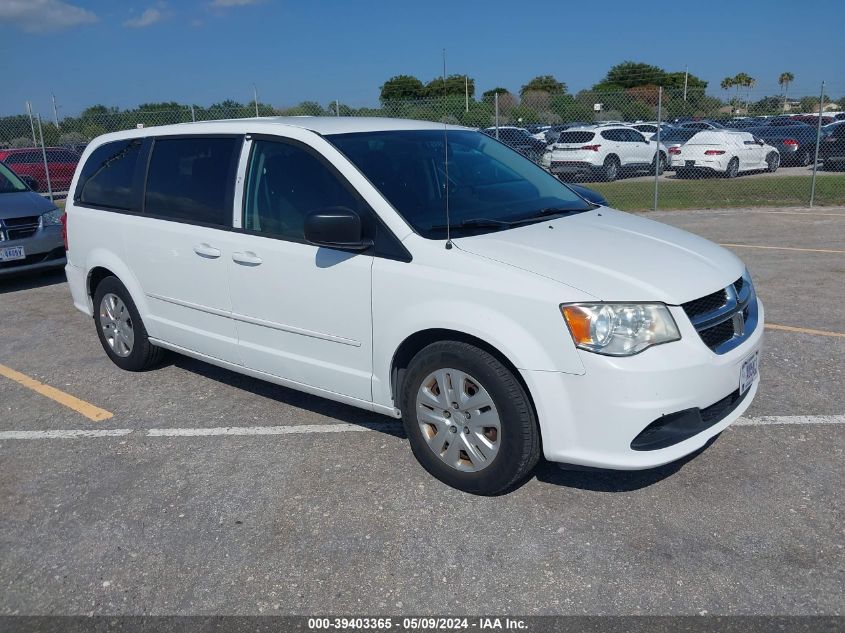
x=458 y=420
x=116 y=324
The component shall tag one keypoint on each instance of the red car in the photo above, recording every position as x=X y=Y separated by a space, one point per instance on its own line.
x=29 y=161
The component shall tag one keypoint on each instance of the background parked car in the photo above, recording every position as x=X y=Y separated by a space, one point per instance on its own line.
x=607 y=152
x=673 y=140
x=29 y=161
x=519 y=139
x=703 y=125
x=724 y=152
x=832 y=146
x=30 y=228
x=796 y=142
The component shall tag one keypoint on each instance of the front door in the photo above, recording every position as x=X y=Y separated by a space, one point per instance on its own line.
x=302 y=312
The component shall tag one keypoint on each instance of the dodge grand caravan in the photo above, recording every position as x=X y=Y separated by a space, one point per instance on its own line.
x=426 y=273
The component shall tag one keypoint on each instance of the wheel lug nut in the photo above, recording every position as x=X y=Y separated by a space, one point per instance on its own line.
x=453 y=429
x=447 y=414
x=466 y=430
x=454 y=405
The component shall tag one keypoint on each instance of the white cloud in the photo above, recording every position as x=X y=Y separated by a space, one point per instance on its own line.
x=148 y=17
x=233 y=3
x=37 y=16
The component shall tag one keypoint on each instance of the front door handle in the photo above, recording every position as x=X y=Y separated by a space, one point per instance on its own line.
x=247 y=258
x=204 y=250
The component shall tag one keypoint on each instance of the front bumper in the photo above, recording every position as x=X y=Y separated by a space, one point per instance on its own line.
x=44 y=251
x=592 y=419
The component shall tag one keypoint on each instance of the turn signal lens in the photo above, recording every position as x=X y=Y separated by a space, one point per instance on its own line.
x=619 y=329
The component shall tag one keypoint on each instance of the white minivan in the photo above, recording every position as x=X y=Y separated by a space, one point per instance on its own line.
x=424 y=272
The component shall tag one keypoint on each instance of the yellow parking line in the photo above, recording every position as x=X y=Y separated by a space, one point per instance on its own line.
x=80 y=406
x=803 y=330
x=785 y=248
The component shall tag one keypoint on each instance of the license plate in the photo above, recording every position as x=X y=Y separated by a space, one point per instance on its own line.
x=748 y=372
x=11 y=253
x=689 y=163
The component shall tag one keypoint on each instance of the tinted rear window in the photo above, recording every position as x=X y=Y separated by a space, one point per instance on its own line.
x=575 y=137
x=678 y=136
x=192 y=179
x=108 y=176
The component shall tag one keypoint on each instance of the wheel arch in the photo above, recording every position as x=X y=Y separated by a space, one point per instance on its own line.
x=102 y=263
x=417 y=341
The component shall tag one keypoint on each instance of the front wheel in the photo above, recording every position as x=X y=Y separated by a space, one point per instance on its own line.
x=120 y=329
x=469 y=420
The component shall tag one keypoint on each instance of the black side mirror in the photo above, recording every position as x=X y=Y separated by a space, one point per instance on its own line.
x=336 y=227
x=29 y=181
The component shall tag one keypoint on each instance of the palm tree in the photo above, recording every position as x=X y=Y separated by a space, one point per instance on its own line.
x=727 y=84
x=784 y=80
x=744 y=80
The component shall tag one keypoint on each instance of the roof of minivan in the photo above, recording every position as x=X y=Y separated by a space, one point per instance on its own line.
x=318 y=124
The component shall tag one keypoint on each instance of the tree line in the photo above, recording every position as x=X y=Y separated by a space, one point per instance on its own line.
x=628 y=91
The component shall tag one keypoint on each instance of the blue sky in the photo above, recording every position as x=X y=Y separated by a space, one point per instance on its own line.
x=123 y=53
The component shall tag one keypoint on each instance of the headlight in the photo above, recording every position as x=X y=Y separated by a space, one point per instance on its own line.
x=619 y=329
x=51 y=218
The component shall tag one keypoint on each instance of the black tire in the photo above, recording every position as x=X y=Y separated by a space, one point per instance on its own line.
x=610 y=169
x=143 y=354
x=733 y=168
x=519 y=444
x=661 y=165
x=772 y=162
x=805 y=158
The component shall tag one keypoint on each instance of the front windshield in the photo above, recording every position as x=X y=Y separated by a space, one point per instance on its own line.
x=9 y=182
x=490 y=186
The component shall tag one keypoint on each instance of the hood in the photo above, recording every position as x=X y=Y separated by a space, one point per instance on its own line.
x=613 y=256
x=23 y=203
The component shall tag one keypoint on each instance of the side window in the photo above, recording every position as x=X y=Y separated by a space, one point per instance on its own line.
x=192 y=179
x=635 y=136
x=284 y=184
x=613 y=135
x=108 y=176
x=13 y=159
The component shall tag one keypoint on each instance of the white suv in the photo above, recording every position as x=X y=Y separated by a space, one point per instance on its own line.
x=479 y=299
x=604 y=151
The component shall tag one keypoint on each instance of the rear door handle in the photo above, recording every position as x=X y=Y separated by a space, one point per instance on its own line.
x=247 y=258
x=204 y=250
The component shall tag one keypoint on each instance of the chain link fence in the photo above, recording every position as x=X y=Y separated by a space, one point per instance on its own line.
x=642 y=148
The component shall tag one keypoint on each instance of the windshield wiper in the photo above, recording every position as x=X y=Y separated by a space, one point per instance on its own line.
x=548 y=211
x=473 y=223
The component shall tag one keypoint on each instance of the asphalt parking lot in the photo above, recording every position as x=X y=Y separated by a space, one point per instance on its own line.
x=323 y=509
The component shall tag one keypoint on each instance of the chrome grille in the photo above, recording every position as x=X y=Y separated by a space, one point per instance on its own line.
x=19 y=228
x=725 y=318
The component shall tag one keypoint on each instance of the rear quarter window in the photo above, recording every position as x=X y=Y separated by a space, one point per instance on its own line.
x=108 y=176
x=192 y=179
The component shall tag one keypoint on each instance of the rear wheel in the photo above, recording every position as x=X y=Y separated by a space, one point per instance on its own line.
x=772 y=162
x=658 y=163
x=469 y=421
x=805 y=158
x=610 y=169
x=733 y=168
x=120 y=329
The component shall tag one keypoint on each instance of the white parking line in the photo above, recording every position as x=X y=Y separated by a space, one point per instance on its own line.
x=791 y=419
x=274 y=430
x=303 y=429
